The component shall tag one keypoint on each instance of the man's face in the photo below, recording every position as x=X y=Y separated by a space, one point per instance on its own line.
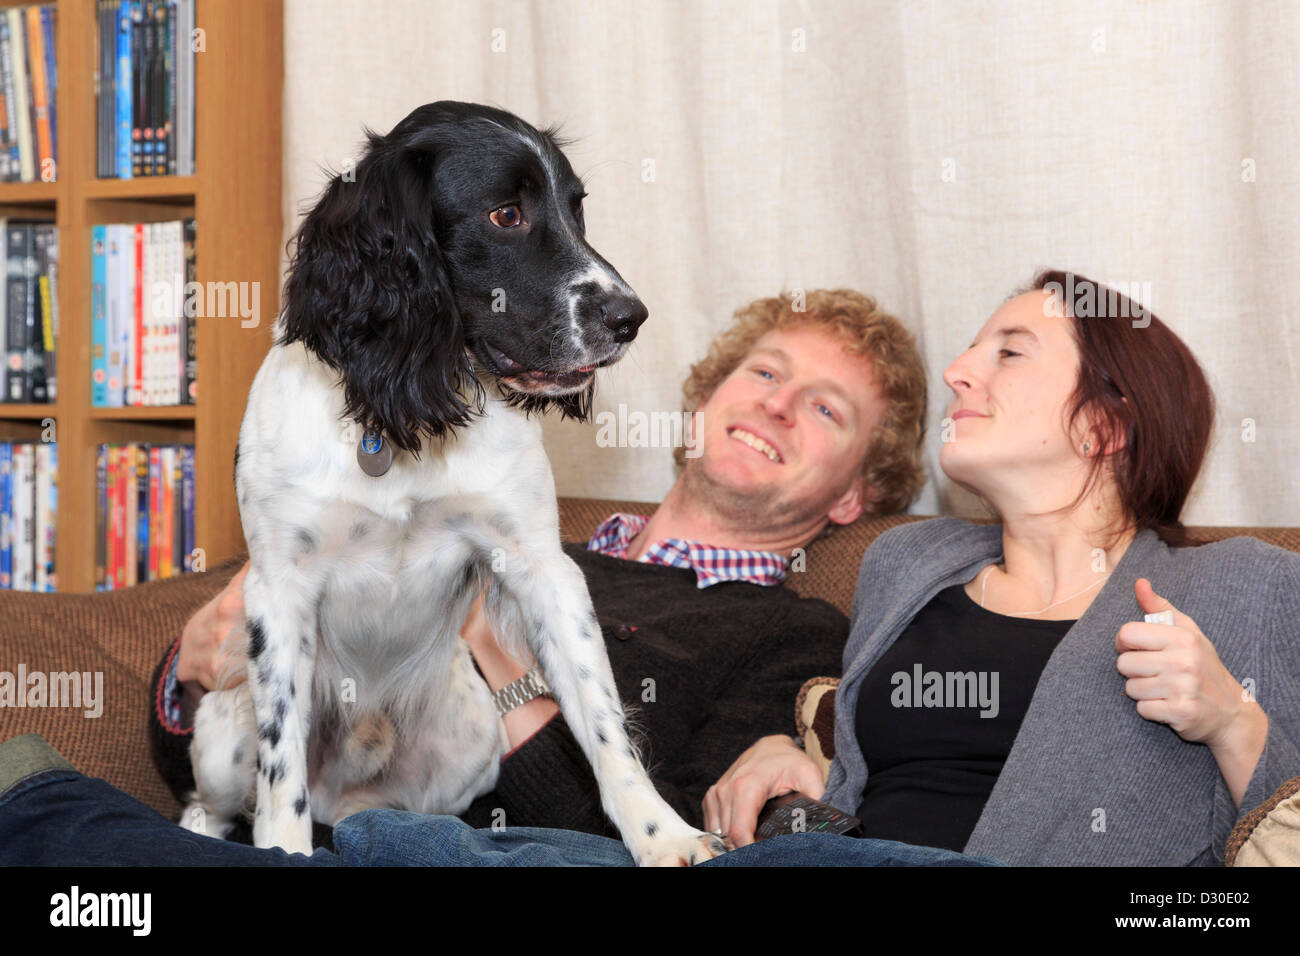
x=785 y=434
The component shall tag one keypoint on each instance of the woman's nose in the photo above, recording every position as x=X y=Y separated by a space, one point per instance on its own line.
x=957 y=377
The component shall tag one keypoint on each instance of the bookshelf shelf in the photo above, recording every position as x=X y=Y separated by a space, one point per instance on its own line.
x=181 y=188
x=183 y=413
x=25 y=411
x=43 y=194
x=234 y=198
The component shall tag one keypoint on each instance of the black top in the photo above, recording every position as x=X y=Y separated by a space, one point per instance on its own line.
x=707 y=671
x=937 y=715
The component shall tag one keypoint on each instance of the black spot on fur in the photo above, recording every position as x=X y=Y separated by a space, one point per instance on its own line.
x=277 y=773
x=358 y=530
x=269 y=732
x=239 y=756
x=281 y=710
x=584 y=672
x=600 y=735
x=300 y=805
x=651 y=829
x=293 y=689
x=501 y=524
x=256 y=638
x=306 y=540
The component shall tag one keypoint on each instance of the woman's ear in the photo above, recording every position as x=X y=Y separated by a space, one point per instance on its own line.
x=368 y=292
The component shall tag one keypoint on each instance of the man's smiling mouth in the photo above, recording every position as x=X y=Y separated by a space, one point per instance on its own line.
x=756 y=443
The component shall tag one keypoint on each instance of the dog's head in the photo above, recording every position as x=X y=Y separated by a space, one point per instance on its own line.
x=457 y=240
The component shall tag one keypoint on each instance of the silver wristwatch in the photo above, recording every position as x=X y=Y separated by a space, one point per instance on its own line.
x=521 y=691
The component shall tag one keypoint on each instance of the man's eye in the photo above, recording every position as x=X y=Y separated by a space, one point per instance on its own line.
x=507 y=217
x=1007 y=353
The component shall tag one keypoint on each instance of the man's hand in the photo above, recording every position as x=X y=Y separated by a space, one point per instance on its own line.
x=499 y=668
x=1176 y=677
x=771 y=767
x=208 y=638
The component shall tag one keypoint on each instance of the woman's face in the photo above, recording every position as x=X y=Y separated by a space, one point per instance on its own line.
x=1006 y=432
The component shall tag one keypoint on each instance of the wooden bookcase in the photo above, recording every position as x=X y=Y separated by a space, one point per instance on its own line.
x=235 y=199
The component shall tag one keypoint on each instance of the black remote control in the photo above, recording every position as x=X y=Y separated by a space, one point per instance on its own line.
x=799 y=813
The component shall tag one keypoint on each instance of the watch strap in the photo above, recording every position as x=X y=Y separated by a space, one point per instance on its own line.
x=521 y=691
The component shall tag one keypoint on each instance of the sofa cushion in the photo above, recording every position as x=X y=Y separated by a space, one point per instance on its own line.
x=1270 y=834
x=118 y=638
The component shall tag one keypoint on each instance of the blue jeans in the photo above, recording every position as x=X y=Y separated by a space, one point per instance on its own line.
x=57 y=816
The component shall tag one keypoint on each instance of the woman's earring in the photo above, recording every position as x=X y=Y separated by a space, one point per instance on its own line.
x=1086 y=445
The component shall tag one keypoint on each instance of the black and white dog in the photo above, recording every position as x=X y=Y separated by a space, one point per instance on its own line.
x=388 y=468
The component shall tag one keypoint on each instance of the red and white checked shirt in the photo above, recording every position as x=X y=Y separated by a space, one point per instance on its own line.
x=711 y=565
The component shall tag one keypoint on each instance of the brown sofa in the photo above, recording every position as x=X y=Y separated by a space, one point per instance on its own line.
x=123 y=634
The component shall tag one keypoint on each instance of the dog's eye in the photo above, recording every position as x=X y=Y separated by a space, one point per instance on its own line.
x=507 y=217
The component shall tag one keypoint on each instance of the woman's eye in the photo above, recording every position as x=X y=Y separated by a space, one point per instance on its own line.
x=507 y=217
x=826 y=411
x=1007 y=353
x=764 y=372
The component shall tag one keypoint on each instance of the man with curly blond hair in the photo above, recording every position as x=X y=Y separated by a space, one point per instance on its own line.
x=810 y=413
x=891 y=472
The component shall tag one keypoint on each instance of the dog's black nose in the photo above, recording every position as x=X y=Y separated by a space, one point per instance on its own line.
x=623 y=315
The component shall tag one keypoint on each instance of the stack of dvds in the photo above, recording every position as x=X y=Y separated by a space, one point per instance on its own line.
x=29 y=500
x=29 y=310
x=29 y=131
x=142 y=349
x=144 y=513
x=144 y=87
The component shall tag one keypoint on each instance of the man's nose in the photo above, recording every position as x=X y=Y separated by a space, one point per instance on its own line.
x=779 y=403
x=623 y=315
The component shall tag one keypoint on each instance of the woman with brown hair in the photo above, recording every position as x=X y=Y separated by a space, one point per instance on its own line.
x=1072 y=685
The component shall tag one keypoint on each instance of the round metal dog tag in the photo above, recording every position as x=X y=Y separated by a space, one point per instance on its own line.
x=374 y=455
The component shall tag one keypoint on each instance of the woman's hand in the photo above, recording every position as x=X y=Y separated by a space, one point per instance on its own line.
x=208 y=638
x=773 y=766
x=1176 y=677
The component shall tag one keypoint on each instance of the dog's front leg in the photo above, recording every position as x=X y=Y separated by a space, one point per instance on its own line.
x=281 y=627
x=565 y=637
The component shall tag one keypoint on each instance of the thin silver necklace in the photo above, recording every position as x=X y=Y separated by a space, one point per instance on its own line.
x=984 y=583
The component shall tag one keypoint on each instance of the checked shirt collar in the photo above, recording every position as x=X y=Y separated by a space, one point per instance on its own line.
x=711 y=565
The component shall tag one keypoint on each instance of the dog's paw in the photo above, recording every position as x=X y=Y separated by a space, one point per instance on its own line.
x=198 y=819
x=688 y=849
x=292 y=834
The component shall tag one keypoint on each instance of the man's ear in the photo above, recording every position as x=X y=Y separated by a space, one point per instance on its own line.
x=849 y=506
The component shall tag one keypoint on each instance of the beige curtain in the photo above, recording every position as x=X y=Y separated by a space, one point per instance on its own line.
x=933 y=154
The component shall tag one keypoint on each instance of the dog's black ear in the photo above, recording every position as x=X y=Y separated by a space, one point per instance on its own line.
x=368 y=293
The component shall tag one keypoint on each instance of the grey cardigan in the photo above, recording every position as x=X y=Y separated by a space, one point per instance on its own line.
x=1088 y=781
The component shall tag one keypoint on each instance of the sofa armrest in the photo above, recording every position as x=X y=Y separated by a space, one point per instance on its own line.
x=814 y=717
x=1270 y=834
